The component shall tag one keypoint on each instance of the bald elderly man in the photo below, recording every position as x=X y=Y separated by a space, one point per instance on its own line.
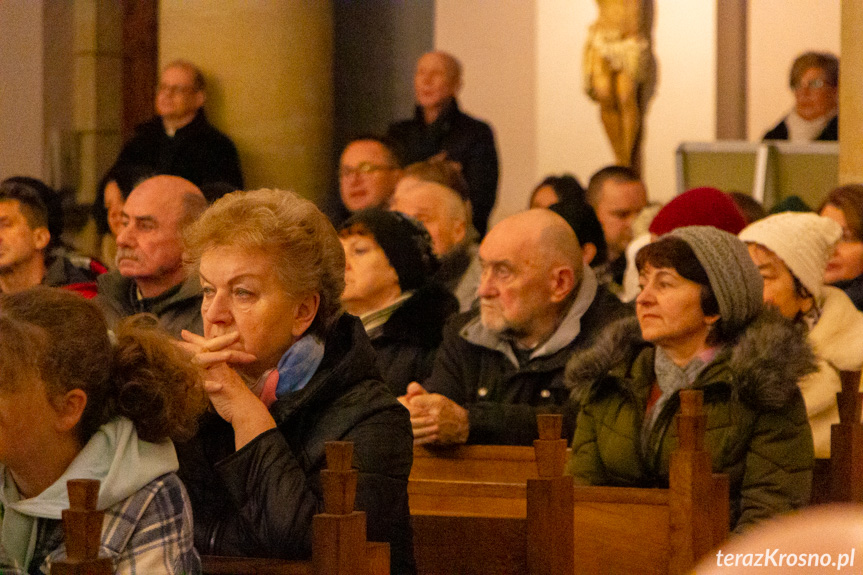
x=150 y=276
x=498 y=367
x=439 y=127
x=446 y=216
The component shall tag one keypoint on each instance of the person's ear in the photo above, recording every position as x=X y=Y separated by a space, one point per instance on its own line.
x=200 y=98
x=562 y=283
x=710 y=320
x=588 y=252
x=41 y=237
x=304 y=313
x=69 y=408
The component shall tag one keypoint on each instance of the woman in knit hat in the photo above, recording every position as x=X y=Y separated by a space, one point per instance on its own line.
x=700 y=325
x=791 y=251
x=389 y=265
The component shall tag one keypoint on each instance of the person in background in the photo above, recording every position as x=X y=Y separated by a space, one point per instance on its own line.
x=389 y=266
x=617 y=195
x=446 y=216
x=696 y=207
x=31 y=251
x=179 y=140
x=107 y=210
x=844 y=270
x=79 y=403
x=814 y=78
x=286 y=371
x=554 y=189
x=582 y=219
x=150 y=276
x=700 y=325
x=750 y=208
x=369 y=170
x=440 y=129
x=791 y=251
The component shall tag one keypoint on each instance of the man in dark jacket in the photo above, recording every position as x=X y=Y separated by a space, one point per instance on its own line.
x=180 y=141
x=439 y=127
x=496 y=369
x=150 y=276
x=31 y=253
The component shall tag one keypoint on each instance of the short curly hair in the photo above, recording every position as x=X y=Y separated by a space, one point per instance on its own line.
x=307 y=255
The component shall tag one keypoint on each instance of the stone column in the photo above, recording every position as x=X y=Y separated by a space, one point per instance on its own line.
x=851 y=94
x=269 y=71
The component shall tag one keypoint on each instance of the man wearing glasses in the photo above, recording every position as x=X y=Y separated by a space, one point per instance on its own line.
x=368 y=173
x=180 y=141
x=815 y=82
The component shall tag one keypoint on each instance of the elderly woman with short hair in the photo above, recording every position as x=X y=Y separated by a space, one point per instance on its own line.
x=285 y=371
x=700 y=325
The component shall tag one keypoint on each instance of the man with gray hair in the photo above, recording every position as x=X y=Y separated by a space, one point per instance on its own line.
x=446 y=217
x=498 y=367
x=180 y=140
x=150 y=276
x=440 y=128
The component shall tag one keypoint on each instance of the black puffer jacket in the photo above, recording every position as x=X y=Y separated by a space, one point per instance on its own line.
x=407 y=342
x=259 y=501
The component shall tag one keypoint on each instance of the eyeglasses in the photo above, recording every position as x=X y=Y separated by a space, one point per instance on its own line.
x=362 y=168
x=815 y=84
x=171 y=90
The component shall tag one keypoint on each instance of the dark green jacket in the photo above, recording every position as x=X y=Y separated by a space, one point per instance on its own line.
x=757 y=431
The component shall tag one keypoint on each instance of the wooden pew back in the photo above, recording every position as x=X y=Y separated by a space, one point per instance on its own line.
x=468 y=507
x=576 y=529
x=840 y=478
x=339 y=545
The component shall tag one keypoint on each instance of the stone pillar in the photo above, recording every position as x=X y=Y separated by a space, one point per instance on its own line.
x=97 y=96
x=851 y=94
x=269 y=71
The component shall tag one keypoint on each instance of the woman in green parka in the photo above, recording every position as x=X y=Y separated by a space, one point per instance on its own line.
x=700 y=325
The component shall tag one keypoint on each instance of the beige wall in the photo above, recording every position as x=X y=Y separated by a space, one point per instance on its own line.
x=523 y=75
x=780 y=30
x=22 y=108
x=496 y=44
x=571 y=136
x=269 y=68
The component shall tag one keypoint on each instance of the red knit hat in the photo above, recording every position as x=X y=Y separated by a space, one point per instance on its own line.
x=699 y=207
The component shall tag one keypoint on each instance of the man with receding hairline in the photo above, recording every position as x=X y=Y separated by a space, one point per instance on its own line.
x=150 y=276
x=445 y=215
x=180 y=140
x=440 y=128
x=498 y=367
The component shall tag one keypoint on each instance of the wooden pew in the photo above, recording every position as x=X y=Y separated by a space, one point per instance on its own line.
x=578 y=529
x=468 y=508
x=339 y=545
x=840 y=478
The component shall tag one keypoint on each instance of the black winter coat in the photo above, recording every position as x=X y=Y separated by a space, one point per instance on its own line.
x=259 y=501
x=198 y=152
x=502 y=399
x=407 y=342
x=466 y=140
x=830 y=133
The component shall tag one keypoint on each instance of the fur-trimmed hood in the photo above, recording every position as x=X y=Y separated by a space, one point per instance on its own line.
x=763 y=363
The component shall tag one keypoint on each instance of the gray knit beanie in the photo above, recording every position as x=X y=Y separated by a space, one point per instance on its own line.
x=803 y=241
x=734 y=279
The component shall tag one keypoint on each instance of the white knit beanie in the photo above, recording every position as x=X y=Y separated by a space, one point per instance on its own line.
x=803 y=241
